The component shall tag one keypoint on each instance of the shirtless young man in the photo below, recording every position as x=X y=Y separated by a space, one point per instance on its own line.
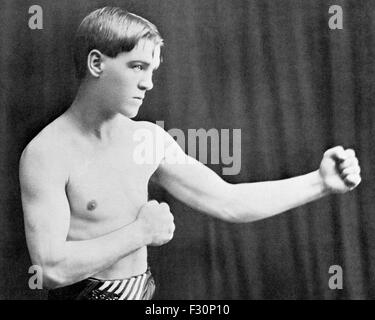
x=87 y=219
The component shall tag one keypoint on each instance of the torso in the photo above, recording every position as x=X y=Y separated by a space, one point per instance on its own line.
x=105 y=189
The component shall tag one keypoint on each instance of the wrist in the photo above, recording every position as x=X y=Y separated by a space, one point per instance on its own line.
x=320 y=183
x=143 y=231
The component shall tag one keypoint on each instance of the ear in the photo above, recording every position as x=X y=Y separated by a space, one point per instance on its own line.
x=95 y=63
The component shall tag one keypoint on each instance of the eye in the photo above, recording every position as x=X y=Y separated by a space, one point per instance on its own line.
x=138 y=67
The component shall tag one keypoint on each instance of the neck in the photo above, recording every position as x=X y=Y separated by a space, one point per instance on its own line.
x=92 y=117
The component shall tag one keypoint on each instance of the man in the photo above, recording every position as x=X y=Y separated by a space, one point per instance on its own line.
x=84 y=193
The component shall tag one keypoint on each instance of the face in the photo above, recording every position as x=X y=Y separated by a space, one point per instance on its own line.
x=126 y=78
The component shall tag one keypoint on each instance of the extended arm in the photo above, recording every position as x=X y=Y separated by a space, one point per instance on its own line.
x=201 y=188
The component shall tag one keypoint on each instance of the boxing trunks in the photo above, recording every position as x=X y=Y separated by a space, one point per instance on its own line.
x=141 y=287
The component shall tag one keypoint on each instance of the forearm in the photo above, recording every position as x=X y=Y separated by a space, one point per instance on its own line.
x=254 y=201
x=81 y=259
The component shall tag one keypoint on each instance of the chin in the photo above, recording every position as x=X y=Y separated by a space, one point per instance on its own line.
x=132 y=116
x=129 y=114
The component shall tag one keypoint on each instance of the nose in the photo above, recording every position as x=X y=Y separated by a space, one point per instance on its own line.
x=146 y=83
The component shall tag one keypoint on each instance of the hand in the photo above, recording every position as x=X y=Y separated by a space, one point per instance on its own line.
x=157 y=221
x=339 y=170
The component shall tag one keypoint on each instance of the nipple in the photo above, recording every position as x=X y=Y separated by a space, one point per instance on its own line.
x=92 y=205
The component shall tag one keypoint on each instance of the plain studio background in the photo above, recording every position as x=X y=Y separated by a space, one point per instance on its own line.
x=270 y=68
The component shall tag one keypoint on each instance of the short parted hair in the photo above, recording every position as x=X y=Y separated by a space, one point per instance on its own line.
x=110 y=30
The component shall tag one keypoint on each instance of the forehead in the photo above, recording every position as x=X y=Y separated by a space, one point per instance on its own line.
x=146 y=51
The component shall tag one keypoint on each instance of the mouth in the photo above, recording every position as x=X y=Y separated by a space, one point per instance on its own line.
x=139 y=98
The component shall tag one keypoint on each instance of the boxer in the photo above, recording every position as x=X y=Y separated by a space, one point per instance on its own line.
x=88 y=220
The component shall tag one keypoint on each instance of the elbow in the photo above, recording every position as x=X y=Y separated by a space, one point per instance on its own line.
x=52 y=271
x=53 y=277
x=237 y=207
x=234 y=216
x=230 y=212
x=234 y=212
x=227 y=208
x=51 y=266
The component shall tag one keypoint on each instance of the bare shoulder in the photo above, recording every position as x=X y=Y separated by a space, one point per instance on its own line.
x=46 y=151
x=154 y=130
x=148 y=125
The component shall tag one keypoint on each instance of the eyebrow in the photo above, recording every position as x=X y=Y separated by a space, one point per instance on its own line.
x=144 y=63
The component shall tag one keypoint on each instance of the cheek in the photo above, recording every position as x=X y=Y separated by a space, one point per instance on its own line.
x=125 y=84
x=118 y=89
x=118 y=78
x=120 y=84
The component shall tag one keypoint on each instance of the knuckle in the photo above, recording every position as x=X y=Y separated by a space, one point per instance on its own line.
x=164 y=206
x=351 y=151
x=152 y=203
x=338 y=149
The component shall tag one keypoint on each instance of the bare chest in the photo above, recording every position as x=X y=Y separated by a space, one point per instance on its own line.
x=106 y=190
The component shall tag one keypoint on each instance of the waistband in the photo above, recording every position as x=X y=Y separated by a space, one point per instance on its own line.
x=139 y=287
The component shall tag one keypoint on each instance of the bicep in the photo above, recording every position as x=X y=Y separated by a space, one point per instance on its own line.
x=45 y=206
x=191 y=182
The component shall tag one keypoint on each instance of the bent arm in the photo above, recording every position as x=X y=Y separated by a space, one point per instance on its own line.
x=47 y=218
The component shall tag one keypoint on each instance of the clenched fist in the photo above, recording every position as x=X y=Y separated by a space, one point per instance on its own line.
x=157 y=222
x=340 y=170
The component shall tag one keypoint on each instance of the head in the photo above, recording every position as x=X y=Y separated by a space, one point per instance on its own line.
x=116 y=53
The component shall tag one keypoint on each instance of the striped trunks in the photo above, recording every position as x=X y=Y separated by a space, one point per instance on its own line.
x=141 y=287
